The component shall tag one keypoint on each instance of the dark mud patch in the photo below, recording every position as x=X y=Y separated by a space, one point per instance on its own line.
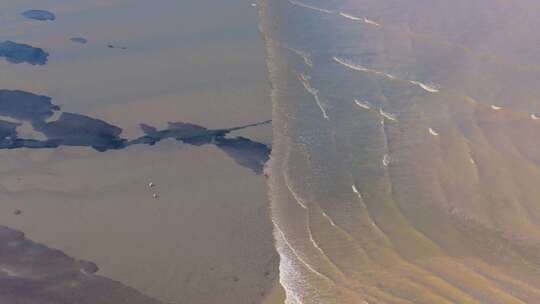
x=26 y=106
x=40 y=15
x=72 y=129
x=243 y=151
x=112 y=46
x=22 y=53
x=79 y=40
x=32 y=273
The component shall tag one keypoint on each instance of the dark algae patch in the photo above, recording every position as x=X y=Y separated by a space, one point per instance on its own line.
x=112 y=46
x=72 y=129
x=245 y=152
x=22 y=53
x=79 y=130
x=26 y=106
x=80 y=40
x=8 y=129
x=39 y=15
x=32 y=273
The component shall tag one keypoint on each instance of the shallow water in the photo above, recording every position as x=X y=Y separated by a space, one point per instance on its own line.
x=406 y=170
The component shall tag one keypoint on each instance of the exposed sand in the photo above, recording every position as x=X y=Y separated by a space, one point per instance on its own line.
x=276 y=296
x=206 y=236
x=206 y=239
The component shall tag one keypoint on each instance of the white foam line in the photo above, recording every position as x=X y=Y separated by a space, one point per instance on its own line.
x=496 y=108
x=363 y=104
x=298 y=255
x=316 y=245
x=356 y=67
x=329 y=219
x=534 y=117
x=425 y=87
x=305 y=81
x=386 y=160
x=368 y=21
x=305 y=56
x=311 y=7
x=351 y=17
x=378 y=229
x=350 y=65
x=433 y=132
x=386 y=115
x=355 y=190
x=298 y=200
x=364 y=20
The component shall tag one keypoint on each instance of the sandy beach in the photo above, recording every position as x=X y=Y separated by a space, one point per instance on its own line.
x=178 y=223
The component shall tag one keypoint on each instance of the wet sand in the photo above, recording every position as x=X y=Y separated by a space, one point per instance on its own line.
x=33 y=273
x=203 y=239
x=202 y=232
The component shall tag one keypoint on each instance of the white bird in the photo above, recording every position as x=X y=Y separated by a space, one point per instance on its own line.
x=533 y=116
x=155 y=196
x=151 y=185
x=433 y=132
x=496 y=108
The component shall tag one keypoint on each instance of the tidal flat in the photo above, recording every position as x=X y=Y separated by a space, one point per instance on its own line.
x=86 y=129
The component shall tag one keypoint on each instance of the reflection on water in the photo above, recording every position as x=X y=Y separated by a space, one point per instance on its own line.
x=418 y=184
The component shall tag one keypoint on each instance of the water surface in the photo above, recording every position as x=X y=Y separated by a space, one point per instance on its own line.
x=405 y=160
